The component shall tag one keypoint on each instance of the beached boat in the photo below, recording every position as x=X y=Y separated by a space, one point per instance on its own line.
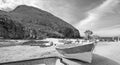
x=81 y=52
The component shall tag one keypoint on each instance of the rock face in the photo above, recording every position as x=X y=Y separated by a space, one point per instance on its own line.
x=26 y=22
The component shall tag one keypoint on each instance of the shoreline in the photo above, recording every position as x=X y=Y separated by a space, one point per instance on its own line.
x=97 y=60
x=108 y=52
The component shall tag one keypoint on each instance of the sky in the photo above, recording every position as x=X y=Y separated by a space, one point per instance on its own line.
x=100 y=16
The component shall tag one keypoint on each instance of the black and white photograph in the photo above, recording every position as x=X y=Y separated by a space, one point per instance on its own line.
x=59 y=32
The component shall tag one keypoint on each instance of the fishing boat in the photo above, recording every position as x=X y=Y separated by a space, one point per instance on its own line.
x=81 y=52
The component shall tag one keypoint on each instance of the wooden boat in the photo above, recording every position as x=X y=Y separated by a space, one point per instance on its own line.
x=81 y=52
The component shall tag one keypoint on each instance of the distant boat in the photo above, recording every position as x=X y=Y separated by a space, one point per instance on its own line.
x=81 y=52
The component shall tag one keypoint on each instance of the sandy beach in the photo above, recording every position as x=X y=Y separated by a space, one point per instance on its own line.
x=104 y=54
x=109 y=50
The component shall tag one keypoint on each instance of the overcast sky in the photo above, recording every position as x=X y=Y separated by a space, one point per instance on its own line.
x=100 y=16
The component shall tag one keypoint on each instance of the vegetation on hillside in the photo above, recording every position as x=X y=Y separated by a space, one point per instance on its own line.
x=26 y=22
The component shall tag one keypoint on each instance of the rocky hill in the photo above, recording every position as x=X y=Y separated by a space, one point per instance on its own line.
x=26 y=22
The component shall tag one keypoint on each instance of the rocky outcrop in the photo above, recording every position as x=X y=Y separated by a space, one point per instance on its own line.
x=26 y=22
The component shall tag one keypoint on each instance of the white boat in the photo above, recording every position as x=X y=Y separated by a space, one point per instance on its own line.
x=81 y=52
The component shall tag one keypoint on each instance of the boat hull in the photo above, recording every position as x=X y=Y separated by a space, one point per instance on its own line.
x=80 y=52
x=85 y=57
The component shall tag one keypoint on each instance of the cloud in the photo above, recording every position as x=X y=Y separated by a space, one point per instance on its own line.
x=108 y=32
x=97 y=13
x=11 y=4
